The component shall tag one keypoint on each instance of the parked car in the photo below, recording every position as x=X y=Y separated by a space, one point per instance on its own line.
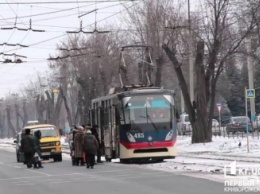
x=256 y=123
x=184 y=125
x=215 y=127
x=238 y=124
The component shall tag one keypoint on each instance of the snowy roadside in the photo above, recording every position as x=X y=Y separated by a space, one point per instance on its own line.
x=221 y=148
x=211 y=157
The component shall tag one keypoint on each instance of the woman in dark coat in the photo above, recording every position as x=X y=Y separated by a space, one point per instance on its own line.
x=78 y=141
x=90 y=146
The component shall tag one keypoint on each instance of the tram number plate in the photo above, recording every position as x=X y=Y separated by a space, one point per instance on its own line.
x=139 y=135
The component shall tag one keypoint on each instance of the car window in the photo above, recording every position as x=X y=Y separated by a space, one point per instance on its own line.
x=240 y=119
x=46 y=131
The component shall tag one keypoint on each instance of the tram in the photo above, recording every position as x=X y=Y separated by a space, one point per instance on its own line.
x=136 y=123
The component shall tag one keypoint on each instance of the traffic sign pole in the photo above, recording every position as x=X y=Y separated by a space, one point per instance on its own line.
x=247 y=138
x=219 y=117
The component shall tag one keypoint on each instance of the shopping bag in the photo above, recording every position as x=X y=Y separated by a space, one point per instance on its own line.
x=36 y=157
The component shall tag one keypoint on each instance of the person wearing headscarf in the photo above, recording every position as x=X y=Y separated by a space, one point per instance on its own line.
x=78 y=141
x=90 y=146
x=94 y=131
x=37 y=147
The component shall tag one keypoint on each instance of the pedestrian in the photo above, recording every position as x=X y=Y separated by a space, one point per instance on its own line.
x=78 y=142
x=94 y=131
x=27 y=146
x=90 y=146
x=72 y=134
x=37 y=147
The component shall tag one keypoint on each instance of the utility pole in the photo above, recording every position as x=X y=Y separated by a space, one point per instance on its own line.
x=247 y=139
x=191 y=61
x=182 y=104
x=250 y=76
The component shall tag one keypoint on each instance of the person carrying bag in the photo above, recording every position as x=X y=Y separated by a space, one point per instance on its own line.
x=37 y=155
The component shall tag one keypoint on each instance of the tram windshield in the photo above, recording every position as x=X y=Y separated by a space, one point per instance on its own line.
x=152 y=109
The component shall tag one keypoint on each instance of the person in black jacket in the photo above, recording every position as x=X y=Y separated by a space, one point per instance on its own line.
x=90 y=146
x=27 y=146
x=94 y=131
x=37 y=147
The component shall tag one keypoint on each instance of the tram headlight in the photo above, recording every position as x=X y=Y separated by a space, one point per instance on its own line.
x=130 y=137
x=169 y=136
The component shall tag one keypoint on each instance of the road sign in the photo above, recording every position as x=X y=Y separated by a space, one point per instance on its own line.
x=250 y=93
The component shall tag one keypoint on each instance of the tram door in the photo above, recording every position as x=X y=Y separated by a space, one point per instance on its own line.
x=117 y=123
x=100 y=121
x=108 y=131
x=114 y=133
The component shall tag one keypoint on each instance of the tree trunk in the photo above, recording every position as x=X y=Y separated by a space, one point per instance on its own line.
x=67 y=108
x=40 y=106
x=25 y=120
x=198 y=115
x=158 y=75
x=50 y=107
x=10 y=125
x=140 y=73
x=202 y=134
x=58 y=109
x=17 y=116
x=103 y=79
x=79 y=108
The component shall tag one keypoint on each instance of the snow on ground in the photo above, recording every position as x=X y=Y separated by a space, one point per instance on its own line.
x=7 y=140
x=221 y=147
x=211 y=157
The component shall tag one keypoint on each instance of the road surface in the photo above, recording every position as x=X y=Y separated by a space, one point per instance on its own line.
x=107 y=178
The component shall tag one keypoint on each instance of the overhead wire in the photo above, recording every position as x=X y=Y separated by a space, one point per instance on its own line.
x=65 y=34
x=45 y=19
x=15 y=12
x=19 y=44
x=68 y=2
x=47 y=13
x=14 y=25
x=68 y=36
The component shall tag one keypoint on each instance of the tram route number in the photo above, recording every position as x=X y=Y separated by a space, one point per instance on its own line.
x=139 y=135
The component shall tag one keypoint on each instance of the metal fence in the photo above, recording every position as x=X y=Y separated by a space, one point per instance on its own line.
x=221 y=131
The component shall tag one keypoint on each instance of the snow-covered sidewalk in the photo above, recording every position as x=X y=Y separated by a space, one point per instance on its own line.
x=221 y=148
x=211 y=157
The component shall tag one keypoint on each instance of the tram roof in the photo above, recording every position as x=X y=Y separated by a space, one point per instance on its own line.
x=136 y=91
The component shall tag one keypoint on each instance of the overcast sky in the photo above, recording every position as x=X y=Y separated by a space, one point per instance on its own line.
x=42 y=44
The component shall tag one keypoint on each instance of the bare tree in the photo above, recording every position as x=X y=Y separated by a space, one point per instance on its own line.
x=146 y=24
x=11 y=129
x=222 y=27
